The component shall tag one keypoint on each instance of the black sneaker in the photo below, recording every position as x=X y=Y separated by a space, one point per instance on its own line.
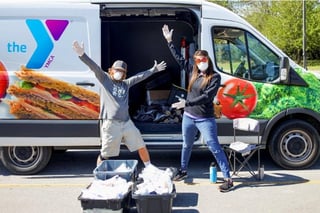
x=226 y=186
x=181 y=175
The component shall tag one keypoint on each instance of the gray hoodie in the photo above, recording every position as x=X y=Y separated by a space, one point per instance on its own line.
x=114 y=97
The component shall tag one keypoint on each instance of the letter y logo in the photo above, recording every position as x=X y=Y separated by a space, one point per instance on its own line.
x=43 y=40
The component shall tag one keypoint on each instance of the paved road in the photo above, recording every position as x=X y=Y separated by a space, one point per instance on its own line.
x=57 y=188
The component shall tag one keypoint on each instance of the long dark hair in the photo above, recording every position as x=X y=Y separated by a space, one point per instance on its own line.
x=195 y=71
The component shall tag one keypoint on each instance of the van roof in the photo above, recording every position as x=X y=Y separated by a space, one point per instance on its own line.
x=190 y=2
x=209 y=10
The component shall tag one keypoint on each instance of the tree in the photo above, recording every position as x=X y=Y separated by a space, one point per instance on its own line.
x=281 y=22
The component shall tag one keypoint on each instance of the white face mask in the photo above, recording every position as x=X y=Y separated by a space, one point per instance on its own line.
x=203 y=66
x=117 y=76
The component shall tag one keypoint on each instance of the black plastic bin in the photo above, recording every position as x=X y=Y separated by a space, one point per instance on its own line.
x=110 y=205
x=154 y=203
x=106 y=170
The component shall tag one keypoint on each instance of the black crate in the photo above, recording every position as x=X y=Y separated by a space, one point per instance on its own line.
x=154 y=203
x=110 y=205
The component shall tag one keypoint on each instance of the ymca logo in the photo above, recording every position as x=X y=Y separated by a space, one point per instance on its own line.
x=44 y=42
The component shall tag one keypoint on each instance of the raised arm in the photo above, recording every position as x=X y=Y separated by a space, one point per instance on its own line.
x=167 y=34
x=99 y=73
x=145 y=74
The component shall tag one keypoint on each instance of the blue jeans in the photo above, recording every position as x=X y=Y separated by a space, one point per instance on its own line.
x=208 y=129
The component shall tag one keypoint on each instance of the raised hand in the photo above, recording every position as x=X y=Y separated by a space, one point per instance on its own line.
x=159 y=67
x=167 y=34
x=79 y=49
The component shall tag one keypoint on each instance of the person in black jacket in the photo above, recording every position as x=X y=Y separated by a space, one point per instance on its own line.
x=198 y=109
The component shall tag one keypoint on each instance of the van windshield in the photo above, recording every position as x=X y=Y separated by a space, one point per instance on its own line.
x=239 y=53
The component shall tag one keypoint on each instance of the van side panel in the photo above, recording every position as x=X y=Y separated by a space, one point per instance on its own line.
x=42 y=77
x=37 y=47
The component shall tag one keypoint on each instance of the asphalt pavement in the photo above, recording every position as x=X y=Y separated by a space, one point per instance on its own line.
x=57 y=188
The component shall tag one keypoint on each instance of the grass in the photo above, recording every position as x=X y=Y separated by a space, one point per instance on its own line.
x=313 y=65
x=314 y=68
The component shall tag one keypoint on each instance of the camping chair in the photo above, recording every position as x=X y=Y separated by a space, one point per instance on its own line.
x=241 y=152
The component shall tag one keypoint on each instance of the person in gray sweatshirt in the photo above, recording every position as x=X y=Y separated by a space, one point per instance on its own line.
x=117 y=125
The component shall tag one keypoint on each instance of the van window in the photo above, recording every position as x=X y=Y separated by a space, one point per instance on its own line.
x=240 y=54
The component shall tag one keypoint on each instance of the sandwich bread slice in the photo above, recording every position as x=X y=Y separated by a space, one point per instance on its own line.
x=61 y=99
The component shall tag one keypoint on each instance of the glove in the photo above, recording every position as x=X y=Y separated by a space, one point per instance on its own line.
x=159 y=67
x=166 y=33
x=79 y=49
x=180 y=104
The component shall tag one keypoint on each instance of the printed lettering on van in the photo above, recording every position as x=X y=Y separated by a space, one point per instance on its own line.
x=44 y=42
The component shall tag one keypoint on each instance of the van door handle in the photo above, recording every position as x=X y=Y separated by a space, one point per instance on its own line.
x=85 y=84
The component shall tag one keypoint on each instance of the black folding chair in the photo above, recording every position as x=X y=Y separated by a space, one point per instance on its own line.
x=239 y=152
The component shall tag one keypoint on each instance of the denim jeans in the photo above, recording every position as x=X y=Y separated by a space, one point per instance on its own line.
x=208 y=130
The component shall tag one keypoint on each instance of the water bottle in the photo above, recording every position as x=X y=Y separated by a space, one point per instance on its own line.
x=261 y=172
x=213 y=172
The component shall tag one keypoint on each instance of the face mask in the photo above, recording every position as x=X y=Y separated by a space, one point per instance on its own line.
x=203 y=66
x=117 y=76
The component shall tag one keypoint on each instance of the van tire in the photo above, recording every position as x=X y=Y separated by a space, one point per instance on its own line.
x=26 y=160
x=294 y=145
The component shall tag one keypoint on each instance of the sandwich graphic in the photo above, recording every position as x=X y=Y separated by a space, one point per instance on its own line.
x=38 y=96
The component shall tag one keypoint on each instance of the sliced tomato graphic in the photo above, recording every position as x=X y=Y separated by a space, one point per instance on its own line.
x=238 y=98
x=4 y=80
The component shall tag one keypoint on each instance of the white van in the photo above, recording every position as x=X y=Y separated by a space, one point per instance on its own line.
x=39 y=72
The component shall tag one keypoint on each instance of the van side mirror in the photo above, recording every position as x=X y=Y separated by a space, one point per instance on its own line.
x=284 y=69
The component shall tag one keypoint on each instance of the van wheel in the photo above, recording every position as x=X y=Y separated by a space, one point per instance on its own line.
x=25 y=160
x=294 y=145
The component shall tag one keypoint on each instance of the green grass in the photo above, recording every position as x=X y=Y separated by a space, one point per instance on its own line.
x=313 y=65
x=314 y=68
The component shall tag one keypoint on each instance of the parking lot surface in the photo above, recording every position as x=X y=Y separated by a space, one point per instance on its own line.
x=57 y=188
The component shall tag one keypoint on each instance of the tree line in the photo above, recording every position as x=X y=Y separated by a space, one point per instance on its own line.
x=282 y=23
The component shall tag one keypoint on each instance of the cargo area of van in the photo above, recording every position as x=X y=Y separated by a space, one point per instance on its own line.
x=135 y=36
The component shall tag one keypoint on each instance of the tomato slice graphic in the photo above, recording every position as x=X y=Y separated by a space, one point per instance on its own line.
x=238 y=98
x=4 y=80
